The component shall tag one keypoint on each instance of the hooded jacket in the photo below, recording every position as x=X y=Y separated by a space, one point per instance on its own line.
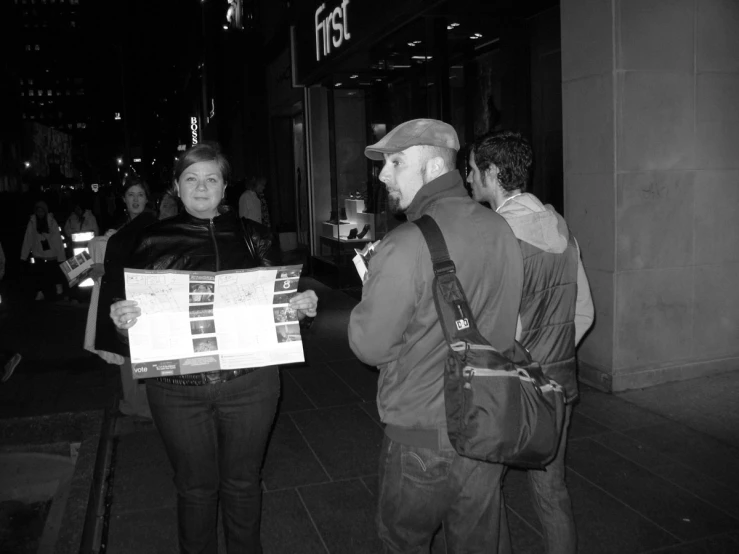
x=43 y=245
x=75 y=224
x=556 y=306
x=396 y=326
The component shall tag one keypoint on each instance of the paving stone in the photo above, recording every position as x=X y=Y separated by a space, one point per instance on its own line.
x=136 y=487
x=701 y=452
x=140 y=449
x=724 y=544
x=672 y=508
x=701 y=485
x=583 y=426
x=606 y=525
x=322 y=386
x=613 y=412
x=287 y=527
x=292 y=396
x=344 y=515
x=289 y=461
x=152 y=531
x=345 y=439
x=361 y=378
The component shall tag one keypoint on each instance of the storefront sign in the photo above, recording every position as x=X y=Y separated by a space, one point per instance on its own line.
x=194 y=130
x=332 y=28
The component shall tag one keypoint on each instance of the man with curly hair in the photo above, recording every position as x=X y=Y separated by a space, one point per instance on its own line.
x=556 y=307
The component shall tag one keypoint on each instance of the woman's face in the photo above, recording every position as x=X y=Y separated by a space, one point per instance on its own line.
x=201 y=189
x=135 y=199
x=40 y=212
x=168 y=207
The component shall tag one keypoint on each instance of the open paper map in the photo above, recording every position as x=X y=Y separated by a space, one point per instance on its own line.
x=201 y=321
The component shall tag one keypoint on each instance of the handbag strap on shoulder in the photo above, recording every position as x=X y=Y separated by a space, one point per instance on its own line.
x=443 y=264
x=451 y=303
x=248 y=240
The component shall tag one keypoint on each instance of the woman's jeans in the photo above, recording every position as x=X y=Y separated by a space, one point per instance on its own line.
x=215 y=436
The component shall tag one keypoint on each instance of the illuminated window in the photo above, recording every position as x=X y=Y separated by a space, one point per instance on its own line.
x=28 y=47
x=49 y=93
x=72 y=23
x=39 y=93
x=37 y=47
x=23 y=93
x=30 y=93
x=30 y=81
x=59 y=93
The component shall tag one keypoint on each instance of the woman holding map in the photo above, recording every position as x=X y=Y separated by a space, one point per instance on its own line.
x=214 y=424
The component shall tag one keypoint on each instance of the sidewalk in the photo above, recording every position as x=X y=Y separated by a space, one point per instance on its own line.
x=642 y=480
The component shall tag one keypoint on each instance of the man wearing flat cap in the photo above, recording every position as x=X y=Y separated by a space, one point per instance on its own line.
x=424 y=483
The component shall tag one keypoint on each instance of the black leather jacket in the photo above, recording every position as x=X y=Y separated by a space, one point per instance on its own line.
x=188 y=243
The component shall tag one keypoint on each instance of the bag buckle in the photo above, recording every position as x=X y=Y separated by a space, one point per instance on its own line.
x=444 y=268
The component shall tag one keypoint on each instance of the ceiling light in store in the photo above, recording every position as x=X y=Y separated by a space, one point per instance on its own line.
x=455 y=24
x=355 y=76
x=338 y=84
x=424 y=58
x=476 y=36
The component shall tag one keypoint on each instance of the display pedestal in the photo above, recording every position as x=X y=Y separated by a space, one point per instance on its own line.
x=335 y=231
x=356 y=218
x=353 y=207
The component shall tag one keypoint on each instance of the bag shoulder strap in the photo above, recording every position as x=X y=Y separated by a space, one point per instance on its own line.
x=248 y=240
x=437 y=245
x=455 y=314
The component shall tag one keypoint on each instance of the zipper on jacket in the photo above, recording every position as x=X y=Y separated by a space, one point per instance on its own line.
x=215 y=244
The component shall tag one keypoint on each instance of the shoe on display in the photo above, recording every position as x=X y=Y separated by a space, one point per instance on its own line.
x=352 y=234
x=10 y=366
x=334 y=219
x=343 y=213
x=365 y=230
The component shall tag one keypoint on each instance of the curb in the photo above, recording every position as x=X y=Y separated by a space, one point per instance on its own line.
x=92 y=532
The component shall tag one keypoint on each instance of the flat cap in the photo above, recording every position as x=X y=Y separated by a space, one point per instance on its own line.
x=417 y=132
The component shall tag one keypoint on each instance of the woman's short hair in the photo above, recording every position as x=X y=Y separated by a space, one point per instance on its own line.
x=203 y=152
x=510 y=152
x=133 y=181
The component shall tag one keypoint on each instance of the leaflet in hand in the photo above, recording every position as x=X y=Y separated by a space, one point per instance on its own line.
x=77 y=268
x=193 y=322
x=361 y=260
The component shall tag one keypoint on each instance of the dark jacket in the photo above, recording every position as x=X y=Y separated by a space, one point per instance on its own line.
x=396 y=326
x=187 y=243
x=112 y=286
x=556 y=307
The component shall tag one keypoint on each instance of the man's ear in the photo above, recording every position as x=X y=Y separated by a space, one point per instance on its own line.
x=435 y=167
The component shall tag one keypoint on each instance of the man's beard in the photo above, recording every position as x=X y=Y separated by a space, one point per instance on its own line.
x=393 y=202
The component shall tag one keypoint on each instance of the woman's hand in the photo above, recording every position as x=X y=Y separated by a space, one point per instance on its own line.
x=306 y=303
x=124 y=313
x=97 y=271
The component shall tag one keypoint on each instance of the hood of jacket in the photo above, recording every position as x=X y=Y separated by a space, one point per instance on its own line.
x=535 y=223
